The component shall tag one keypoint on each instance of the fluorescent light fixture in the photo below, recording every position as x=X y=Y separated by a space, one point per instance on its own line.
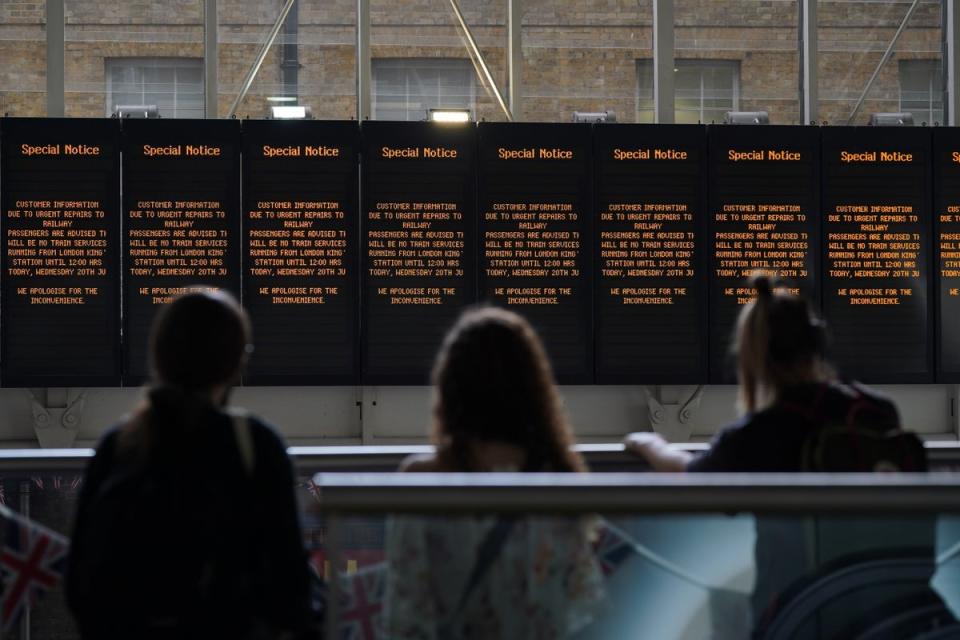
x=595 y=116
x=891 y=119
x=136 y=111
x=448 y=115
x=289 y=112
x=746 y=117
x=281 y=99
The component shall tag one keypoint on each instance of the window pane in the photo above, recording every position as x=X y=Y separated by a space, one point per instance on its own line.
x=853 y=35
x=753 y=52
x=704 y=90
x=411 y=86
x=173 y=85
x=421 y=59
x=582 y=56
x=23 y=52
x=921 y=90
x=150 y=36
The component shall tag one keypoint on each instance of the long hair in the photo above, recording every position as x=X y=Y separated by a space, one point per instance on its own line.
x=779 y=343
x=198 y=342
x=493 y=383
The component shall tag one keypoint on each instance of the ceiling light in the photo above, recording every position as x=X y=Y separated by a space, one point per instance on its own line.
x=448 y=115
x=289 y=112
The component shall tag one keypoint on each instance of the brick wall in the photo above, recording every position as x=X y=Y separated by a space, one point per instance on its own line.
x=577 y=55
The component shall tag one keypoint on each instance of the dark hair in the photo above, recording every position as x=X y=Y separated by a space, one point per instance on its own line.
x=779 y=342
x=198 y=341
x=494 y=383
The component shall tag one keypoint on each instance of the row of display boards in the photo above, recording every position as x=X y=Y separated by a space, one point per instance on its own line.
x=354 y=247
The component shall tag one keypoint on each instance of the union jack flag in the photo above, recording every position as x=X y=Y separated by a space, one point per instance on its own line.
x=611 y=549
x=32 y=562
x=362 y=606
x=311 y=488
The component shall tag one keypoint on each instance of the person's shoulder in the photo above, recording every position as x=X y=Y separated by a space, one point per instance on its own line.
x=106 y=447
x=265 y=436
x=870 y=401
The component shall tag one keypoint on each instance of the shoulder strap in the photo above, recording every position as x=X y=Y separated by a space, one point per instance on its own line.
x=487 y=554
x=241 y=432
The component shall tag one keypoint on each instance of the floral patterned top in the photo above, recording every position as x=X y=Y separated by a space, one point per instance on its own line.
x=543 y=582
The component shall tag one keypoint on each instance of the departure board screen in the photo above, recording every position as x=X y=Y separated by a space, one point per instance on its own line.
x=946 y=262
x=181 y=211
x=876 y=237
x=60 y=252
x=535 y=234
x=299 y=250
x=946 y=168
x=764 y=216
x=650 y=291
x=418 y=216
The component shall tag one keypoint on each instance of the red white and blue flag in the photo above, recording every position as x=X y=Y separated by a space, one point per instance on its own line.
x=611 y=549
x=32 y=562
x=361 y=611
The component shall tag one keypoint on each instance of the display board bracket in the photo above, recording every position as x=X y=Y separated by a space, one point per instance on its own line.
x=57 y=415
x=670 y=416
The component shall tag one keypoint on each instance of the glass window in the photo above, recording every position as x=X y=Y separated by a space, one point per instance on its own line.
x=921 y=90
x=705 y=90
x=853 y=36
x=750 y=55
x=404 y=88
x=150 y=34
x=420 y=55
x=174 y=85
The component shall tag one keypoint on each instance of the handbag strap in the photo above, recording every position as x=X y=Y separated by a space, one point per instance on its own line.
x=487 y=553
x=241 y=433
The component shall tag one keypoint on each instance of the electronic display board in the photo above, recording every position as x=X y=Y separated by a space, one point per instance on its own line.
x=536 y=220
x=60 y=252
x=876 y=225
x=763 y=216
x=418 y=217
x=300 y=250
x=181 y=215
x=650 y=292
x=946 y=170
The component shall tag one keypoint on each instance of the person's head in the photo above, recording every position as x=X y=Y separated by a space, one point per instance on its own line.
x=780 y=342
x=494 y=384
x=199 y=342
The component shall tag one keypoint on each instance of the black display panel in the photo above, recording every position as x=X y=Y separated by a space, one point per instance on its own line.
x=181 y=211
x=535 y=234
x=650 y=294
x=300 y=250
x=764 y=216
x=60 y=252
x=418 y=251
x=876 y=235
x=946 y=171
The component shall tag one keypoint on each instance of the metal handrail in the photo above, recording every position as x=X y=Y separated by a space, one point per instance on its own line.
x=387 y=457
x=636 y=493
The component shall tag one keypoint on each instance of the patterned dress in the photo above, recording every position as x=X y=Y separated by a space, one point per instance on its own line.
x=542 y=583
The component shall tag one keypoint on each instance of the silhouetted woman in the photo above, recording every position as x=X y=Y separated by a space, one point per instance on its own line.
x=798 y=417
x=496 y=408
x=187 y=524
x=787 y=390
